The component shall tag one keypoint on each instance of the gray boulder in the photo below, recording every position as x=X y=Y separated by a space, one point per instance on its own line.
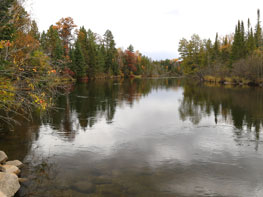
x=3 y=157
x=9 y=184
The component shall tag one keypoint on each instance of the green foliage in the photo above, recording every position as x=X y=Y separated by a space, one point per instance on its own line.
x=79 y=65
x=7 y=29
x=100 y=65
x=92 y=53
x=28 y=79
x=238 y=48
x=110 y=53
x=52 y=45
x=131 y=48
x=258 y=32
x=192 y=52
x=34 y=30
x=228 y=56
x=216 y=51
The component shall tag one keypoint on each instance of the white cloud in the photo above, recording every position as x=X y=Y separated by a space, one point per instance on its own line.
x=152 y=26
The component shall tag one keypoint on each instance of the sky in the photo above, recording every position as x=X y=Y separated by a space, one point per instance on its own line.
x=154 y=27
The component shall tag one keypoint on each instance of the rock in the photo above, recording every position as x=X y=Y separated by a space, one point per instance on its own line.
x=9 y=184
x=84 y=187
x=2 y=194
x=11 y=169
x=3 y=157
x=16 y=163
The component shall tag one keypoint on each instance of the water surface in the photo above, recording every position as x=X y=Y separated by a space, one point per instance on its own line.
x=162 y=137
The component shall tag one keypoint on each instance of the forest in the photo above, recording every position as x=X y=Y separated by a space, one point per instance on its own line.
x=35 y=66
x=234 y=58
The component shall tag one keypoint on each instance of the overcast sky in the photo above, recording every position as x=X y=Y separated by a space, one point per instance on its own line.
x=153 y=27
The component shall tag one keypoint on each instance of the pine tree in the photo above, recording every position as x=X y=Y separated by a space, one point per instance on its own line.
x=43 y=40
x=216 y=48
x=6 y=27
x=53 y=45
x=34 y=30
x=225 y=51
x=71 y=64
x=131 y=48
x=251 y=45
x=83 y=41
x=258 y=32
x=209 y=51
x=111 y=54
x=79 y=61
x=100 y=60
x=92 y=53
x=58 y=51
x=238 y=43
x=243 y=46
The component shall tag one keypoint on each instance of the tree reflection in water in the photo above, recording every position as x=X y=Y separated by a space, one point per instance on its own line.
x=153 y=148
x=241 y=107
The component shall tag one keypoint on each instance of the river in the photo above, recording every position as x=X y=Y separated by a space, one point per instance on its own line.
x=144 y=137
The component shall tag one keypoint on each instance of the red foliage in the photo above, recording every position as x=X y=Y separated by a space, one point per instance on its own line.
x=69 y=72
x=131 y=60
x=65 y=27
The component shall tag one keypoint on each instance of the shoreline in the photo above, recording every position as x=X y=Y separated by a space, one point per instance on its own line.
x=235 y=81
x=9 y=176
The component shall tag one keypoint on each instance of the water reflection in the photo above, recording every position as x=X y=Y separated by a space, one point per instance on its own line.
x=240 y=107
x=162 y=137
x=244 y=106
x=89 y=103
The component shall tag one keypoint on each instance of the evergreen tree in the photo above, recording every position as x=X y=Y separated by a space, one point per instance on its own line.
x=34 y=30
x=238 y=44
x=53 y=45
x=58 y=51
x=243 y=41
x=100 y=60
x=225 y=52
x=6 y=27
x=209 y=51
x=72 y=59
x=131 y=48
x=92 y=53
x=79 y=61
x=111 y=54
x=83 y=41
x=250 y=41
x=258 y=32
x=216 y=48
x=43 y=41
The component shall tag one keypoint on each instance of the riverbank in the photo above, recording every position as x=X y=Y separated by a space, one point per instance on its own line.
x=233 y=81
x=9 y=176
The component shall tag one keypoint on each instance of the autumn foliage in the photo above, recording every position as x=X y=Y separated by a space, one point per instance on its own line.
x=65 y=27
x=34 y=65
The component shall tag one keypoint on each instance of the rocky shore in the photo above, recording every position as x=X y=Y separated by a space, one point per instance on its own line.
x=9 y=176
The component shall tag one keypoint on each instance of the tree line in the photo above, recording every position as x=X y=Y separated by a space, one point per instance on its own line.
x=85 y=54
x=237 y=57
x=34 y=66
